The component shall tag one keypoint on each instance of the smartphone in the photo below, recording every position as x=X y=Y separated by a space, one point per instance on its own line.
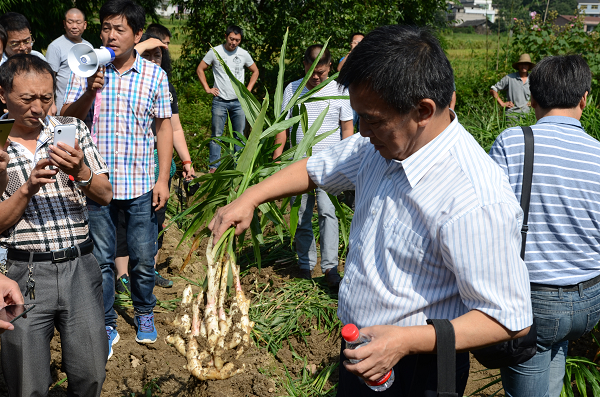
x=12 y=313
x=5 y=127
x=65 y=133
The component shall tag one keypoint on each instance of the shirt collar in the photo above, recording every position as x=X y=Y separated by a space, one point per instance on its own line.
x=560 y=120
x=137 y=64
x=420 y=162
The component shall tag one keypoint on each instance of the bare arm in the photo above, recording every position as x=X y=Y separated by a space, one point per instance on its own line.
x=342 y=62
x=82 y=106
x=149 y=44
x=347 y=128
x=200 y=72
x=496 y=96
x=254 y=69
x=4 y=160
x=391 y=343
x=164 y=143
x=180 y=146
x=290 y=181
x=280 y=139
x=99 y=189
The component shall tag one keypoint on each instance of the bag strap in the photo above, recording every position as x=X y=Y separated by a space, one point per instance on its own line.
x=446 y=357
x=526 y=186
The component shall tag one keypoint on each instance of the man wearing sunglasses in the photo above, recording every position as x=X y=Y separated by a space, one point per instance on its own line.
x=19 y=38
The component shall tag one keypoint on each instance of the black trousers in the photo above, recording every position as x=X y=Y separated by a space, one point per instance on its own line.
x=351 y=385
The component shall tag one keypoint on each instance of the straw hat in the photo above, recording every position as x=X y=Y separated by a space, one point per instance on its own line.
x=524 y=58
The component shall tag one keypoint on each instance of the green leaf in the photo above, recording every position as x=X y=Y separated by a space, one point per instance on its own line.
x=278 y=99
x=309 y=134
x=249 y=153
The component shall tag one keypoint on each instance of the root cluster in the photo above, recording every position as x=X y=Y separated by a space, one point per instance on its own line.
x=213 y=343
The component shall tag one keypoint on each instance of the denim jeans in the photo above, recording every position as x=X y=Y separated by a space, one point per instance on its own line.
x=560 y=316
x=220 y=109
x=306 y=247
x=142 y=233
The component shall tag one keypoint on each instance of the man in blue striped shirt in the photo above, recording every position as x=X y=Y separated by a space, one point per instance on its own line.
x=435 y=234
x=562 y=251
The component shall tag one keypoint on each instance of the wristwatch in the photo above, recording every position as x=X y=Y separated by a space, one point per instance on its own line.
x=84 y=183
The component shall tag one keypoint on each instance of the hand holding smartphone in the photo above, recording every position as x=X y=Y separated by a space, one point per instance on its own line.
x=65 y=133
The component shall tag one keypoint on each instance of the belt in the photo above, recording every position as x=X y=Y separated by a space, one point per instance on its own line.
x=566 y=288
x=57 y=256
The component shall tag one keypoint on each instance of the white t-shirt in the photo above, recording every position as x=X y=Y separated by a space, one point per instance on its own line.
x=339 y=110
x=236 y=61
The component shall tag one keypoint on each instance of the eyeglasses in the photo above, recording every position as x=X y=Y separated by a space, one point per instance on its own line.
x=27 y=42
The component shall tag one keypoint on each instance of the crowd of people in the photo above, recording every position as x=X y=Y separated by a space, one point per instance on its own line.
x=437 y=227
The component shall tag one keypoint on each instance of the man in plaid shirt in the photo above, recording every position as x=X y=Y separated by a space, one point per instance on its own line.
x=44 y=226
x=120 y=103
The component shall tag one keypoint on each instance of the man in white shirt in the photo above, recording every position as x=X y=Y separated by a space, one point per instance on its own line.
x=58 y=51
x=225 y=101
x=339 y=116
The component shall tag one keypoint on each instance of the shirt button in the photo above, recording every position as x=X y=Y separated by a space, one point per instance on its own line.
x=347 y=280
x=373 y=212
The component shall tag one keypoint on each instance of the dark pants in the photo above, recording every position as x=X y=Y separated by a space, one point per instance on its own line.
x=68 y=296
x=350 y=385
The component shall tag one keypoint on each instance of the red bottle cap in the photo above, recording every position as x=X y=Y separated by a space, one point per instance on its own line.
x=381 y=381
x=350 y=332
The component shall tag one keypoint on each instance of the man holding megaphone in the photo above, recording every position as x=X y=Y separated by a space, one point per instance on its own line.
x=119 y=101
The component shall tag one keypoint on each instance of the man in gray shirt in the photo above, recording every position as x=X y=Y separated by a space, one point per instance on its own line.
x=225 y=100
x=58 y=51
x=516 y=86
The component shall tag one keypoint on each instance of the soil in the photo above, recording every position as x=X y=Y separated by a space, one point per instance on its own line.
x=135 y=368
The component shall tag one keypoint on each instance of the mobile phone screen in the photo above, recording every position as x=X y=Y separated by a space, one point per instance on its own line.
x=12 y=313
x=5 y=127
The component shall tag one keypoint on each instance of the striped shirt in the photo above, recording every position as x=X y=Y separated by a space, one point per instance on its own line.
x=563 y=241
x=56 y=216
x=339 y=110
x=129 y=103
x=433 y=236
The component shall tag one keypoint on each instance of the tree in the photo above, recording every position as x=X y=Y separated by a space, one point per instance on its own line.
x=310 y=21
x=46 y=17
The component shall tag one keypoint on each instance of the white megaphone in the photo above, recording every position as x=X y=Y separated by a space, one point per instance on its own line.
x=84 y=60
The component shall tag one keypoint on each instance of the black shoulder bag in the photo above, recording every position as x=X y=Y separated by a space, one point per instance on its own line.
x=516 y=351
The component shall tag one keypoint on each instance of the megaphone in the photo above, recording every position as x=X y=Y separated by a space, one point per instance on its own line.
x=84 y=60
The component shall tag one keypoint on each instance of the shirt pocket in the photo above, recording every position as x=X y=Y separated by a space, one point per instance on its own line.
x=404 y=248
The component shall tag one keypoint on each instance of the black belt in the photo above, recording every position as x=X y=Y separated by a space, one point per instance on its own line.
x=62 y=255
x=566 y=288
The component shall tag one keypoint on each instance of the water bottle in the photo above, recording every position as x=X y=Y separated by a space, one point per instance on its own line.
x=354 y=339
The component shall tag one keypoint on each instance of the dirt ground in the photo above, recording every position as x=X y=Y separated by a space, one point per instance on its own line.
x=135 y=368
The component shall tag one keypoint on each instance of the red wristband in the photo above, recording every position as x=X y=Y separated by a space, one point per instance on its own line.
x=186 y=162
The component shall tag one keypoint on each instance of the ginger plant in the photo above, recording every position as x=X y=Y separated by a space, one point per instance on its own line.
x=214 y=338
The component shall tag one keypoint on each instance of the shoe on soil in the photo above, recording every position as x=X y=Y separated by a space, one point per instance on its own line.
x=113 y=338
x=332 y=278
x=146 y=331
x=122 y=286
x=161 y=281
x=305 y=274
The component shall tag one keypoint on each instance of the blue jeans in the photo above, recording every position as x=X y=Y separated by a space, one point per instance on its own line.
x=560 y=316
x=140 y=219
x=220 y=109
x=306 y=247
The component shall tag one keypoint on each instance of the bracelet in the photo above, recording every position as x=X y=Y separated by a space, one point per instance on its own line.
x=186 y=162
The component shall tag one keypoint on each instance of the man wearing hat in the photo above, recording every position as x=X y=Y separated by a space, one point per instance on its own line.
x=516 y=86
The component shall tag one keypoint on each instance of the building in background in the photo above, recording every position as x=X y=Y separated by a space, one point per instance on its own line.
x=461 y=12
x=589 y=7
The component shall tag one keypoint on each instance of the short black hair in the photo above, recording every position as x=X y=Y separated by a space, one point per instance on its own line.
x=23 y=63
x=76 y=10
x=158 y=30
x=14 y=22
x=559 y=82
x=404 y=65
x=165 y=63
x=133 y=13
x=3 y=37
x=312 y=53
x=355 y=34
x=235 y=30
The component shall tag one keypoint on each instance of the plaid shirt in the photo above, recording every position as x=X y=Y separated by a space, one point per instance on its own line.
x=125 y=139
x=56 y=216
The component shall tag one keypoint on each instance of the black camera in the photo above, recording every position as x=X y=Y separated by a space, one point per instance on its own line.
x=190 y=186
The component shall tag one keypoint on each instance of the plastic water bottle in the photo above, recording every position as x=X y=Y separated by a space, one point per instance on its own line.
x=354 y=339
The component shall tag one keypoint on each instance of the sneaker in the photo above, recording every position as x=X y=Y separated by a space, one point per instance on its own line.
x=122 y=286
x=161 y=281
x=146 y=331
x=113 y=338
x=305 y=274
x=332 y=278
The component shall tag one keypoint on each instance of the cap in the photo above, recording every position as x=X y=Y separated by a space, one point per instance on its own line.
x=350 y=333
